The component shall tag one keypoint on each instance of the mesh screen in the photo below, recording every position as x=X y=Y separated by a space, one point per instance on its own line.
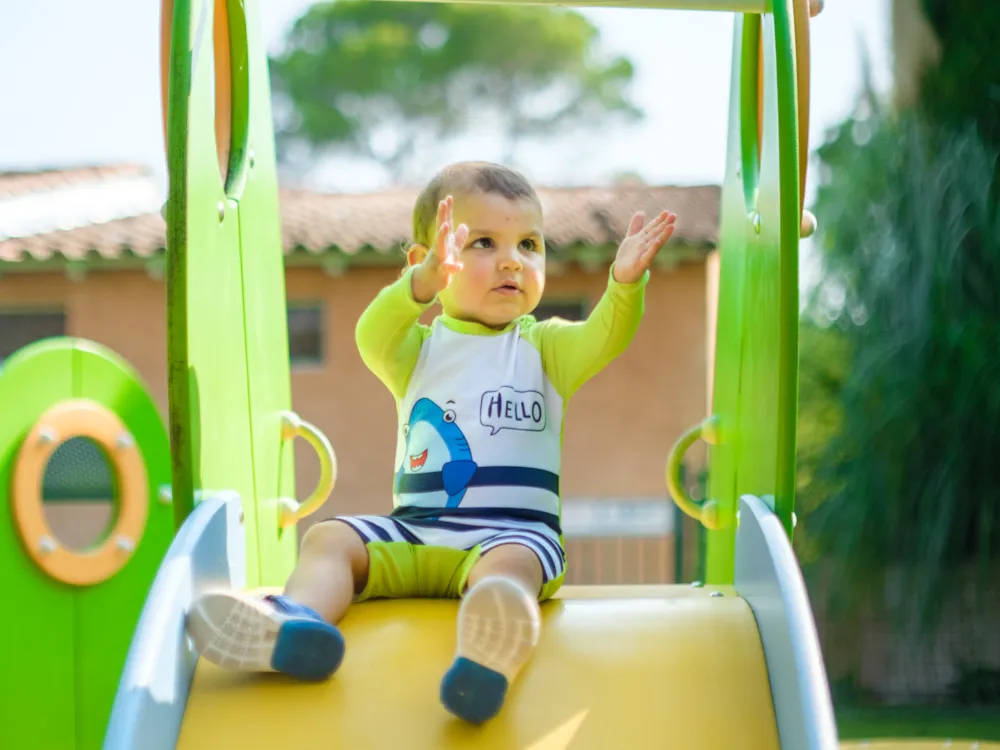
x=78 y=470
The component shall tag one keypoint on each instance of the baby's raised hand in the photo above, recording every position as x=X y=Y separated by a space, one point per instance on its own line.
x=442 y=260
x=641 y=244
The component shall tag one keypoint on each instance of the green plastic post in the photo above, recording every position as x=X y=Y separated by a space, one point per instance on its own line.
x=65 y=645
x=227 y=340
x=756 y=366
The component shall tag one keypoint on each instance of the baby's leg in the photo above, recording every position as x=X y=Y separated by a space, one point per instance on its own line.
x=499 y=624
x=332 y=568
x=294 y=632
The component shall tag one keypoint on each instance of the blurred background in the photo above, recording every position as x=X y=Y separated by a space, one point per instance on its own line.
x=607 y=111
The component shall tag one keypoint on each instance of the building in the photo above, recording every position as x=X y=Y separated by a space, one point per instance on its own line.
x=81 y=253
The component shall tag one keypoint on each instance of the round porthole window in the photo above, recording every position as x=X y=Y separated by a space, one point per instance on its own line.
x=80 y=493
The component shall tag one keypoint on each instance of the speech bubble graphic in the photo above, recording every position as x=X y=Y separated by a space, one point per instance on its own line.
x=510 y=409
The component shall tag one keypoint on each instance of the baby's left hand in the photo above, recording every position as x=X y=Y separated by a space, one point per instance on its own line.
x=641 y=244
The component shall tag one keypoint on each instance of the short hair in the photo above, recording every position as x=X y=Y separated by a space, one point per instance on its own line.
x=466 y=177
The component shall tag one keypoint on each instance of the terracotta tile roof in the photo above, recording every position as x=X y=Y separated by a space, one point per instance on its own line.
x=37 y=181
x=317 y=223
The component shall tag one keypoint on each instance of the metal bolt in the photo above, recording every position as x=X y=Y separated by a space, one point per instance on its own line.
x=716 y=593
x=124 y=440
x=124 y=543
x=46 y=435
x=696 y=584
x=222 y=210
x=47 y=544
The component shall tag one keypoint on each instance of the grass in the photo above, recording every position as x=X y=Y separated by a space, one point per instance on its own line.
x=919 y=722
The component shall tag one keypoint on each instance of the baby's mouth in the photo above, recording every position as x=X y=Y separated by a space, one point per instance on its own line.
x=417 y=462
x=508 y=287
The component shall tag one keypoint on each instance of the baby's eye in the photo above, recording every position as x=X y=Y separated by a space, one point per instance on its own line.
x=450 y=416
x=529 y=245
x=483 y=243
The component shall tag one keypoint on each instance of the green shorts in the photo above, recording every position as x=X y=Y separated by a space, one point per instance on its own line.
x=433 y=560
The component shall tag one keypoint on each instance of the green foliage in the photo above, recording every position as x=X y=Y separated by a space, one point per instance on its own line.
x=965 y=87
x=910 y=300
x=822 y=372
x=389 y=80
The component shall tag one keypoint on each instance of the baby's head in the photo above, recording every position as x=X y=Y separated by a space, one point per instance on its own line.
x=503 y=259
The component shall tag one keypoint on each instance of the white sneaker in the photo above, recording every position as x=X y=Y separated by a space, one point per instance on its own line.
x=264 y=634
x=499 y=624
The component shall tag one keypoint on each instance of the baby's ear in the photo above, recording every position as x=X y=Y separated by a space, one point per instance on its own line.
x=416 y=254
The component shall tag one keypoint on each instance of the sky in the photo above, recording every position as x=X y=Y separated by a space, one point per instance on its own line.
x=79 y=84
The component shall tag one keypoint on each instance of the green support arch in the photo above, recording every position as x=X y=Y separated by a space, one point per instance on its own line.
x=225 y=265
x=751 y=432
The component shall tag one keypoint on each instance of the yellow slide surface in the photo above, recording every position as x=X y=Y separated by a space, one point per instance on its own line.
x=617 y=667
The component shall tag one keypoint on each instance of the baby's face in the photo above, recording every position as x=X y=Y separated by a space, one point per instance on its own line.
x=503 y=261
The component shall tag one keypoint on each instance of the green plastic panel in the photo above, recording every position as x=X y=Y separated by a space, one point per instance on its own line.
x=106 y=615
x=228 y=349
x=209 y=398
x=38 y=679
x=66 y=645
x=756 y=372
x=266 y=316
x=736 y=237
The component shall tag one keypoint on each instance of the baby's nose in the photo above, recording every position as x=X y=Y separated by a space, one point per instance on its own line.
x=510 y=260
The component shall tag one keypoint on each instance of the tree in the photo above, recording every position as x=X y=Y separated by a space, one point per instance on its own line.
x=388 y=80
x=899 y=489
x=964 y=86
x=912 y=254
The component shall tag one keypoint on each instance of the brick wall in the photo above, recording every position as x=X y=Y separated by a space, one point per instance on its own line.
x=618 y=427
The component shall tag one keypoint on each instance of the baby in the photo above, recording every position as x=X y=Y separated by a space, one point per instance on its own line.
x=481 y=394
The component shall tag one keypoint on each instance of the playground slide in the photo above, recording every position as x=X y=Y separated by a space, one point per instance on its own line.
x=623 y=666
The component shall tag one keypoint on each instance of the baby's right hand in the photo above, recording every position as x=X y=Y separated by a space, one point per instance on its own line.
x=434 y=272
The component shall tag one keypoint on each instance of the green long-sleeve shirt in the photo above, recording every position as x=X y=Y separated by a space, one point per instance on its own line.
x=481 y=409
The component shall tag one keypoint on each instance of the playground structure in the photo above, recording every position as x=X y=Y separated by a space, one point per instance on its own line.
x=733 y=662
x=76 y=609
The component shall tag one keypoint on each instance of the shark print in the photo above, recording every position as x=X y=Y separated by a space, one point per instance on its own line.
x=437 y=453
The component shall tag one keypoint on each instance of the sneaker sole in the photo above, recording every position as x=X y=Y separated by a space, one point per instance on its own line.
x=498 y=628
x=247 y=635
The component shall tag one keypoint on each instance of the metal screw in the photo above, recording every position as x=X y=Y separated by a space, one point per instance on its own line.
x=47 y=544
x=46 y=435
x=251 y=160
x=756 y=222
x=716 y=593
x=124 y=440
x=696 y=584
x=241 y=516
x=166 y=494
x=124 y=543
x=222 y=210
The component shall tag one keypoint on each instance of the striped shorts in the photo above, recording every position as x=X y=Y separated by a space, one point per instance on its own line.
x=433 y=557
